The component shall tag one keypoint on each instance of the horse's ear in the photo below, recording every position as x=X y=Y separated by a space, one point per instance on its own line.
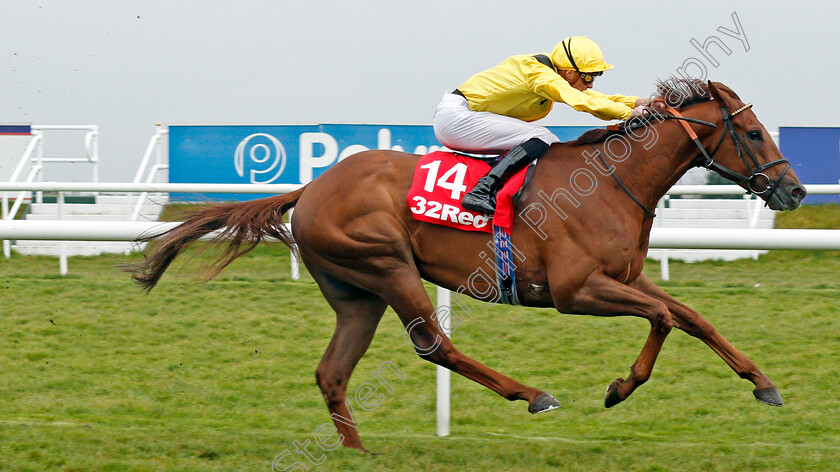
x=715 y=93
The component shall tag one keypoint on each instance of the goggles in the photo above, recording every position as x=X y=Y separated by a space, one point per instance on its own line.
x=590 y=76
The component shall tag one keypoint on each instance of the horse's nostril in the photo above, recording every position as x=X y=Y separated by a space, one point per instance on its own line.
x=799 y=192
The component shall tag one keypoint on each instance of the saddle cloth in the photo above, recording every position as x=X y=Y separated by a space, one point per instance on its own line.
x=442 y=178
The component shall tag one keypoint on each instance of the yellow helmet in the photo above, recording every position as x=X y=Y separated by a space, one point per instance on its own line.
x=580 y=54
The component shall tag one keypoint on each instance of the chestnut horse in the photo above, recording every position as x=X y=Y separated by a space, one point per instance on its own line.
x=583 y=255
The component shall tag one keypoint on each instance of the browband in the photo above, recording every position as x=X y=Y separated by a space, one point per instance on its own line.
x=745 y=107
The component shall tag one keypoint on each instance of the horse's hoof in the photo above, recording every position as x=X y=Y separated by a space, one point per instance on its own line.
x=543 y=403
x=360 y=448
x=769 y=396
x=613 y=398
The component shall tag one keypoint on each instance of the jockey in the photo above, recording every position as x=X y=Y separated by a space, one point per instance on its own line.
x=492 y=110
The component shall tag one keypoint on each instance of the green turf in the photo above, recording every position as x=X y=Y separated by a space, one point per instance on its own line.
x=220 y=376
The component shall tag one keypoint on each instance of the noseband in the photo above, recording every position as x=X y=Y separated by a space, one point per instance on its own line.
x=758 y=182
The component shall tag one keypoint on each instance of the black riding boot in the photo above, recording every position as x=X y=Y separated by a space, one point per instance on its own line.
x=482 y=198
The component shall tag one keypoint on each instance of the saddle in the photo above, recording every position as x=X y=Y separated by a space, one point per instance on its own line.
x=442 y=178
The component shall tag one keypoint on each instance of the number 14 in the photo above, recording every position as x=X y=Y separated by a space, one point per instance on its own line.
x=457 y=174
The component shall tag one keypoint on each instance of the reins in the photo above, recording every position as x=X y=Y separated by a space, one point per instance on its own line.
x=675 y=115
x=624 y=127
x=621 y=184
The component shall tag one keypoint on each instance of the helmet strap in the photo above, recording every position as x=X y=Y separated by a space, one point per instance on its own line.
x=568 y=50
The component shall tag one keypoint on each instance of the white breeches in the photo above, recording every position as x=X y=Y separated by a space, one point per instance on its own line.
x=459 y=128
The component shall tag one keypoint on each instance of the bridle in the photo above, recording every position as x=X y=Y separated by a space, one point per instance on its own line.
x=757 y=171
x=757 y=182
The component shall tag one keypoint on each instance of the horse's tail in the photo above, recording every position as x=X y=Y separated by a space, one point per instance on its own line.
x=242 y=225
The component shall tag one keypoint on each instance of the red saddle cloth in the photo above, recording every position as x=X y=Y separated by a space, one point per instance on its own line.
x=442 y=178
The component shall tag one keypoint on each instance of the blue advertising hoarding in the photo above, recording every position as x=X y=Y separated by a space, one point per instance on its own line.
x=814 y=154
x=15 y=130
x=287 y=154
x=13 y=142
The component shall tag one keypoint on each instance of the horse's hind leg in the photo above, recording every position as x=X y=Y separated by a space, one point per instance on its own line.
x=409 y=299
x=357 y=315
x=695 y=325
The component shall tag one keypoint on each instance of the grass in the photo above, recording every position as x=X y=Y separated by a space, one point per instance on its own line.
x=94 y=375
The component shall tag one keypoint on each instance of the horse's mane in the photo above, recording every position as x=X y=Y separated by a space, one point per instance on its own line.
x=677 y=93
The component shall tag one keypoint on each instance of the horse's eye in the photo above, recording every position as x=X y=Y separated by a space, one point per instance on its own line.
x=755 y=135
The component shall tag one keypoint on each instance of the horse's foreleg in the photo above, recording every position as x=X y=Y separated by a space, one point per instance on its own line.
x=409 y=299
x=603 y=296
x=695 y=325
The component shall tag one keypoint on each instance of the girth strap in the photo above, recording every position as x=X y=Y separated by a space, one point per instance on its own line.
x=505 y=267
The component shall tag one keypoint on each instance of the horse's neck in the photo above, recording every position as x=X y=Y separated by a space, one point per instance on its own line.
x=661 y=166
x=653 y=164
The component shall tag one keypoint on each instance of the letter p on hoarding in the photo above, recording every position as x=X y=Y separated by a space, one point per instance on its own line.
x=308 y=160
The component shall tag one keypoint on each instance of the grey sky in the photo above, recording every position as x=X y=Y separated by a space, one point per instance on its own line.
x=126 y=65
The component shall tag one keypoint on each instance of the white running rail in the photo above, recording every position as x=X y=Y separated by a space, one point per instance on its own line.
x=61 y=187
x=37 y=231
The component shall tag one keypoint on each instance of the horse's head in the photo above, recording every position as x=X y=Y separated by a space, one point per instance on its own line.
x=747 y=155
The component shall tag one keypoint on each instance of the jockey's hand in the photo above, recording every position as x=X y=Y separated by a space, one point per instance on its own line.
x=641 y=110
x=657 y=105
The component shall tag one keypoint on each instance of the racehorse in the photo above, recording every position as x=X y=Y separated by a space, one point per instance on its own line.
x=355 y=233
